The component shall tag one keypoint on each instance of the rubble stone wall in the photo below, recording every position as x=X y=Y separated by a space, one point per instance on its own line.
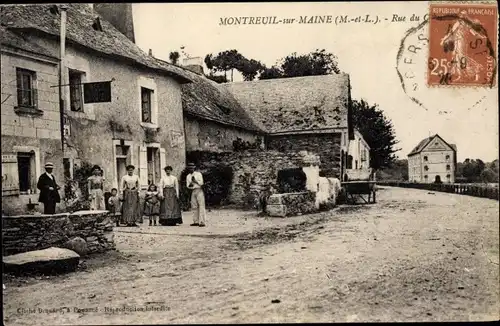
x=254 y=170
x=36 y=232
x=327 y=146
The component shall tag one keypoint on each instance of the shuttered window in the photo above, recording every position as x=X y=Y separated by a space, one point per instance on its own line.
x=143 y=166
x=10 y=175
x=26 y=90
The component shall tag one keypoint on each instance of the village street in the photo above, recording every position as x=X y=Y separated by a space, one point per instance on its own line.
x=413 y=256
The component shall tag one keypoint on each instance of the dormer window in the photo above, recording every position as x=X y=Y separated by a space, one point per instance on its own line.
x=97 y=24
x=54 y=10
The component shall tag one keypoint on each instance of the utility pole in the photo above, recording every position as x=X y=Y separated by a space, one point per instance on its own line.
x=61 y=71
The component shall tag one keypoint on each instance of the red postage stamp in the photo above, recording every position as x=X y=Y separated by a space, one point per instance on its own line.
x=462 y=44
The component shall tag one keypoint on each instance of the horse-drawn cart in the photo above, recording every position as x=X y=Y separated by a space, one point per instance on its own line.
x=360 y=189
x=360 y=184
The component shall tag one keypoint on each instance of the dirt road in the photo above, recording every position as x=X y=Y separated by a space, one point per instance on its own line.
x=413 y=256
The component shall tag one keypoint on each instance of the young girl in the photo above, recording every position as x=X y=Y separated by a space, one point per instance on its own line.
x=114 y=205
x=152 y=203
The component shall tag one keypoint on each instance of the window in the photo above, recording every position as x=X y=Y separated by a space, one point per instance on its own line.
x=75 y=90
x=26 y=90
x=448 y=176
x=426 y=177
x=426 y=158
x=123 y=158
x=154 y=169
x=426 y=168
x=447 y=157
x=27 y=173
x=448 y=167
x=146 y=97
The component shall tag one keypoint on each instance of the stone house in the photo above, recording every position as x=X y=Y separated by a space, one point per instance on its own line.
x=310 y=113
x=31 y=133
x=213 y=119
x=143 y=123
x=432 y=159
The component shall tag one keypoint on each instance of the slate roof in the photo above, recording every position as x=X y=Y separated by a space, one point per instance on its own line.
x=424 y=142
x=289 y=105
x=16 y=40
x=80 y=32
x=206 y=99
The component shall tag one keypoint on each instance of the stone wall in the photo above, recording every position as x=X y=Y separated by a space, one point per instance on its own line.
x=35 y=232
x=327 y=146
x=254 y=170
x=204 y=135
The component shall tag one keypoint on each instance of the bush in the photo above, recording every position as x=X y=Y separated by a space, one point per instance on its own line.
x=217 y=184
x=291 y=180
x=76 y=190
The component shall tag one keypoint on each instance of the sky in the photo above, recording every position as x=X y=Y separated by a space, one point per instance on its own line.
x=467 y=117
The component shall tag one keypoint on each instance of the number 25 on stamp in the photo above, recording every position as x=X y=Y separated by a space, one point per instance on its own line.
x=462 y=44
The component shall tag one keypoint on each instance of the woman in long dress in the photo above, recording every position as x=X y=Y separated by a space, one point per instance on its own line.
x=96 y=189
x=129 y=187
x=170 y=210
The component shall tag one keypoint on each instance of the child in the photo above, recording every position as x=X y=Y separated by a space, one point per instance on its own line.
x=114 y=205
x=152 y=204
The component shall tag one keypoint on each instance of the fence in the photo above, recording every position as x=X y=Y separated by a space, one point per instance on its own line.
x=456 y=188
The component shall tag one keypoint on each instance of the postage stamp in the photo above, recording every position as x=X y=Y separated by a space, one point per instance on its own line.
x=462 y=44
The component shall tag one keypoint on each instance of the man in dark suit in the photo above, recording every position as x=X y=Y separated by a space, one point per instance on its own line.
x=49 y=194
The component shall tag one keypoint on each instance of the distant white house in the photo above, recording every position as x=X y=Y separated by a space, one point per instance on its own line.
x=358 y=158
x=431 y=160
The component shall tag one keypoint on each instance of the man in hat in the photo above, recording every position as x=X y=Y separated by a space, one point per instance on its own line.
x=194 y=182
x=48 y=187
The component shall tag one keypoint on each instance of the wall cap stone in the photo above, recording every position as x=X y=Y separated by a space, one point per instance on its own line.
x=36 y=216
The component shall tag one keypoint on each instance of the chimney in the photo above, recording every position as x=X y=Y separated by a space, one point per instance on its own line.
x=119 y=15
x=150 y=52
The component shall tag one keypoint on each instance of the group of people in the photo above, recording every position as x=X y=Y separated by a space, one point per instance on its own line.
x=161 y=202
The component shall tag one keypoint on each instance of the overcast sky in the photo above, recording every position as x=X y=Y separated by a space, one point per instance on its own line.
x=367 y=52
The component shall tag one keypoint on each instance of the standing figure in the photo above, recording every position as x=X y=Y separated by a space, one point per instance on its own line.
x=170 y=209
x=96 y=189
x=129 y=187
x=48 y=187
x=194 y=182
x=152 y=204
x=115 y=205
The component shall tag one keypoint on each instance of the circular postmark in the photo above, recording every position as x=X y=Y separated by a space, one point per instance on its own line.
x=412 y=68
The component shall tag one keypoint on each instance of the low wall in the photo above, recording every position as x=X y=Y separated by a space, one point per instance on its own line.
x=254 y=170
x=35 y=232
x=462 y=189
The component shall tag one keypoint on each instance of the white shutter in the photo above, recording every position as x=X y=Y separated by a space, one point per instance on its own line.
x=10 y=175
x=163 y=160
x=143 y=166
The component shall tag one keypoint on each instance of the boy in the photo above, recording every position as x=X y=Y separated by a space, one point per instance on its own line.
x=114 y=205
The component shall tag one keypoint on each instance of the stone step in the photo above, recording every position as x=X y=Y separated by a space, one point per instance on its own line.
x=47 y=261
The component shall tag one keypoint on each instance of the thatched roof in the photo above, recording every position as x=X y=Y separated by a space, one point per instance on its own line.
x=80 y=33
x=295 y=104
x=204 y=98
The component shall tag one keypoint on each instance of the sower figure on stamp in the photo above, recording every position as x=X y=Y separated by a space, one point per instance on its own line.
x=49 y=194
x=194 y=182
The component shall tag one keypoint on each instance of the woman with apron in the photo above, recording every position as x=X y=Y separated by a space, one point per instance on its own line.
x=130 y=194
x=170 y=210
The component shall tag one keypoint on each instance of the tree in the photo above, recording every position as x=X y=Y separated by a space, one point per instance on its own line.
x=249 y=68
x=271 y=73
x=489 y=176
x=174 y=57
x=378 y=132
x=225 y=61
x=397 y=170
x=316 y=63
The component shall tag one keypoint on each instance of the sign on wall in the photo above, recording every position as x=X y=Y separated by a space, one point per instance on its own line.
x=97 y=92
x=176 y=138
